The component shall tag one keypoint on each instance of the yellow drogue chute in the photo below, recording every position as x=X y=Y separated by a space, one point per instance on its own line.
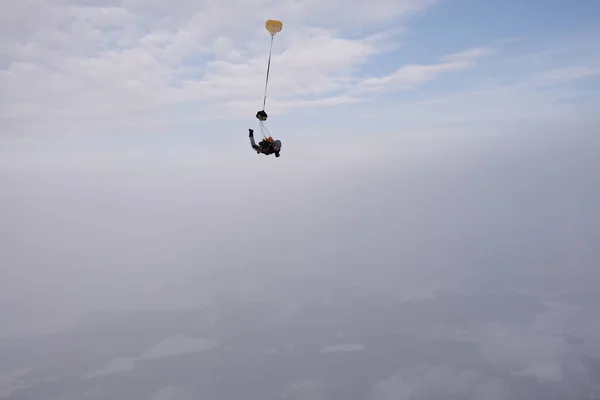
x=273 y=26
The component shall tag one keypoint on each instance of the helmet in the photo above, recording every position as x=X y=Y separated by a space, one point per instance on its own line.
x=277 y=144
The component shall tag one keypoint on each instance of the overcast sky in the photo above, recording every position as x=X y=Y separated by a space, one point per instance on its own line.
x=427 y=146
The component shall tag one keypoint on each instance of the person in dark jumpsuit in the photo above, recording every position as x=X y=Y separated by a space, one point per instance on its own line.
x=266 y=146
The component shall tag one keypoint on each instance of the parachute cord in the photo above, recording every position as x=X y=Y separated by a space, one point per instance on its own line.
x=264 y=129
x=268 y=69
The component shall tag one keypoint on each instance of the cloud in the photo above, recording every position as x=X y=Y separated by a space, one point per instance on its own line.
x=441 y=381
x=171 y=346
x=563 y=74
x=578 y=320
x=468 y=55
x=523 y=351
x=305 y=390
x=348 y=347
x=117 y=66
x=171 y=393
x=546 y=94
x=411 y=75
x=546 y=350
x=88 y=61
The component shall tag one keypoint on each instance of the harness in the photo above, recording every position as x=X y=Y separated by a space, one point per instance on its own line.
x=265 y=146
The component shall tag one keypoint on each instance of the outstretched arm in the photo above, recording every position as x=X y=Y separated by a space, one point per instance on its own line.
x=252 y=142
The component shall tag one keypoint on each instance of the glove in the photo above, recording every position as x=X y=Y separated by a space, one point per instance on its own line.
x=251 y=132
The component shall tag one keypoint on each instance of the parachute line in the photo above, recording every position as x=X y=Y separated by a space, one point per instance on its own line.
x=268 y=70
x=263 y=129
x=273 y=26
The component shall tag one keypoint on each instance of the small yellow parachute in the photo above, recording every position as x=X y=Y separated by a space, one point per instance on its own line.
x=274 y=26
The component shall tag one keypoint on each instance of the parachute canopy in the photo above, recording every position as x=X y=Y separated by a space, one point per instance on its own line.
x=274 y=26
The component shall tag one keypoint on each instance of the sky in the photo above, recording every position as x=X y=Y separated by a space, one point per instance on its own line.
x=198 y=68
x=438 y=180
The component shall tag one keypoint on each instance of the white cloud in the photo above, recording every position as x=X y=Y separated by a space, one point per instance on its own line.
x=551 y=349
x=347 y=347
x=439 y=381
x=531 y=351
x=546 y=94
x=12 y=381
x=411 y=75
x=171 y=346
x=106 y=64
x=563 y=74
x=304 y=390
x=171 y=393
x=74 y=65
x=468 y=55
x=580 y=320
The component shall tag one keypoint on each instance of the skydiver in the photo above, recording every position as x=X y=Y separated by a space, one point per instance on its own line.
x=265 y=146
